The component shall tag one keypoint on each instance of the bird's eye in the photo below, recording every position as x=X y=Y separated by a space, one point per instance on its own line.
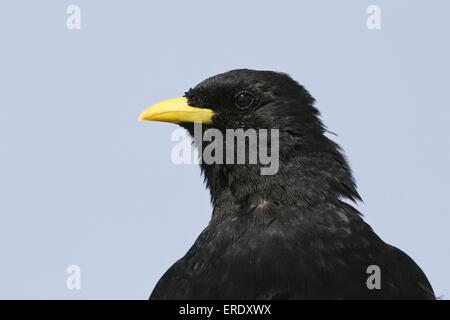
x=244 y=99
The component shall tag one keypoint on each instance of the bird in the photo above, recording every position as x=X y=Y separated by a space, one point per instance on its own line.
x=295 y=234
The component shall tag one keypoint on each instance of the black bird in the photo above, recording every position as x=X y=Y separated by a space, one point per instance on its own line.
x=284 y=236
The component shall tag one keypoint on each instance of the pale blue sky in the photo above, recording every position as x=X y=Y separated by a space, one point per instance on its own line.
x=82 y=182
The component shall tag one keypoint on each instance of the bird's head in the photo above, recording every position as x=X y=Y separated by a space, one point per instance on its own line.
x=310 y=165
x=243 y=98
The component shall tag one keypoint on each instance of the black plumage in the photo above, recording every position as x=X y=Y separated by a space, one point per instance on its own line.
x=288 y=235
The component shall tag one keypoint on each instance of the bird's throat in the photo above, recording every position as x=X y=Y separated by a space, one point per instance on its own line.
x=305 y=177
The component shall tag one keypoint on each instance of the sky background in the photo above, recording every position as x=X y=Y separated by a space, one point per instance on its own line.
x=83 y=183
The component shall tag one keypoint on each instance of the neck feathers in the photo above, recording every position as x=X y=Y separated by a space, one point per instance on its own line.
x=308 y=174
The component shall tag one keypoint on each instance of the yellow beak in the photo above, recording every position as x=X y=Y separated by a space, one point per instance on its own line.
x=176 y=110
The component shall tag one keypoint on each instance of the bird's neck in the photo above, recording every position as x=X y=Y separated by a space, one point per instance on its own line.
x=307 y=175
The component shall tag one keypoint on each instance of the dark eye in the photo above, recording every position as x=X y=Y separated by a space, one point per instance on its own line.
x=244 y=99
